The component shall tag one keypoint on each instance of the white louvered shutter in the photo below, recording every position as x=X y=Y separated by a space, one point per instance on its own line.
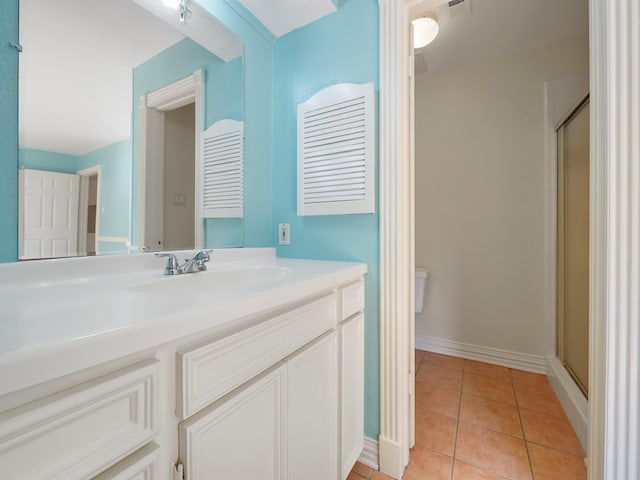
x=223 y=170
x=336 y=153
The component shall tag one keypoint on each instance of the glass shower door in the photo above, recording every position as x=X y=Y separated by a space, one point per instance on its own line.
x=573 y=245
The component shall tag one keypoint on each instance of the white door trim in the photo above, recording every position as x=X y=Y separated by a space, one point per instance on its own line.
x=178 y=94
x=396 y=236
x=84 y=206
x=615 y=240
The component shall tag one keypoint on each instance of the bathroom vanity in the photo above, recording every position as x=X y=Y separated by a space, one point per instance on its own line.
x=252 y=369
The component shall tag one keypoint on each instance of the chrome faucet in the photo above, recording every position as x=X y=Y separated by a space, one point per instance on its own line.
x=197 y=263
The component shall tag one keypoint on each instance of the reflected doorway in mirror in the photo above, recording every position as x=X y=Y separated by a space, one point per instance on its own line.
x=153 y=108
x=89 y=210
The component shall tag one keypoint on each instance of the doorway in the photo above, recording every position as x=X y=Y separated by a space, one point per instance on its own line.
x=179 y=179
x=481 y=176
x=573 y=245
x=89 y=211
x=613 y=410
x=175 y=188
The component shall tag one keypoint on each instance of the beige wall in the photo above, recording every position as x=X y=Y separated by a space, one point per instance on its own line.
x=480 y=197
x=179 y=173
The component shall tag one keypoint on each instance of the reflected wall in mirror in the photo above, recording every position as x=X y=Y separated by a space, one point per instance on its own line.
x=86 y=68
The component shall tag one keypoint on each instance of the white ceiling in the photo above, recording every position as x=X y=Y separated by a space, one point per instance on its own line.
x=498 y=27
x=283 y=16
x=76 y=68
x=201 y=27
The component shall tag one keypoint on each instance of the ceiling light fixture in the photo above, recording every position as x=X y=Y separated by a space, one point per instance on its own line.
x=181 y=7
x=425 y=30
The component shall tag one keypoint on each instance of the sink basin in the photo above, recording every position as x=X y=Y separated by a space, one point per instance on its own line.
x=246 y=278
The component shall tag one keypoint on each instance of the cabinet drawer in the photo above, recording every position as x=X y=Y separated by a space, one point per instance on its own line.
x=352 y=299
x=208 y=372
x=138 y=466
x=78 y=433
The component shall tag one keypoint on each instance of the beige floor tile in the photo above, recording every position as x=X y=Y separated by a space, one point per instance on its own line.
x=529 y=379
x=489 y=444
x=427 y=464
x=354 y=476
x=538 y=399
x=485 y=369
x=362 y=469
x=436 y=432
x=492 y=451
x=444 y=361
x=488 y=388
x=464 y=471
x=549 y=464
x=443 y=378
x=553 y=432
x=491 y=414
x=380 y=476
x=437 y=400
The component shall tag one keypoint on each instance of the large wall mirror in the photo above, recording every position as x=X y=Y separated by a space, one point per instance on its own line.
x=114 y=97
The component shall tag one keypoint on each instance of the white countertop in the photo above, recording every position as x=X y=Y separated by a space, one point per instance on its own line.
x=61 y=316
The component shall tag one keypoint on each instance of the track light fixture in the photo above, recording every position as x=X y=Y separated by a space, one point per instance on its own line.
x=180 y=6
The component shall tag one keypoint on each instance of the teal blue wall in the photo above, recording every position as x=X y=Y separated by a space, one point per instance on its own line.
x=115 y=187
x=258 y=227
x=223 y=232
x=112 y=248
x=223 y=99
x=341 y=47
x=8 y=132
x=45 y=160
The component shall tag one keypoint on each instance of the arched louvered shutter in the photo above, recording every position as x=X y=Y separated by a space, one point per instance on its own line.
x=223 y=170
x=336 y=152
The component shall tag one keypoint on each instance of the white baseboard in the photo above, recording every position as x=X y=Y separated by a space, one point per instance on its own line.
x=124 y=240
x=571 y=398
x=369 y=455
x=496 y=356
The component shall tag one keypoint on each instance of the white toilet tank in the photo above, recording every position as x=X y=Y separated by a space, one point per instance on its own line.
x=422 y=274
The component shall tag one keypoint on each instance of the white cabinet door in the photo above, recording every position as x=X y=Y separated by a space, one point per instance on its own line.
x=48 y=214
x=312 y=440
x=351 y=335
x=239 y=437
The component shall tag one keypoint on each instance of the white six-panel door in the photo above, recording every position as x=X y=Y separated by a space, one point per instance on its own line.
x=48 y=214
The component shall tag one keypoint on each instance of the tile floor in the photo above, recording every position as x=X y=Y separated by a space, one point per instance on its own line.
x=476 y=421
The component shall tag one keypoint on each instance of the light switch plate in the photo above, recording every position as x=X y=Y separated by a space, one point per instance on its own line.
x=284 y=234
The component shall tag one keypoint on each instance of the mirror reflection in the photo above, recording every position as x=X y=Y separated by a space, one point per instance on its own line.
x=114 y=97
